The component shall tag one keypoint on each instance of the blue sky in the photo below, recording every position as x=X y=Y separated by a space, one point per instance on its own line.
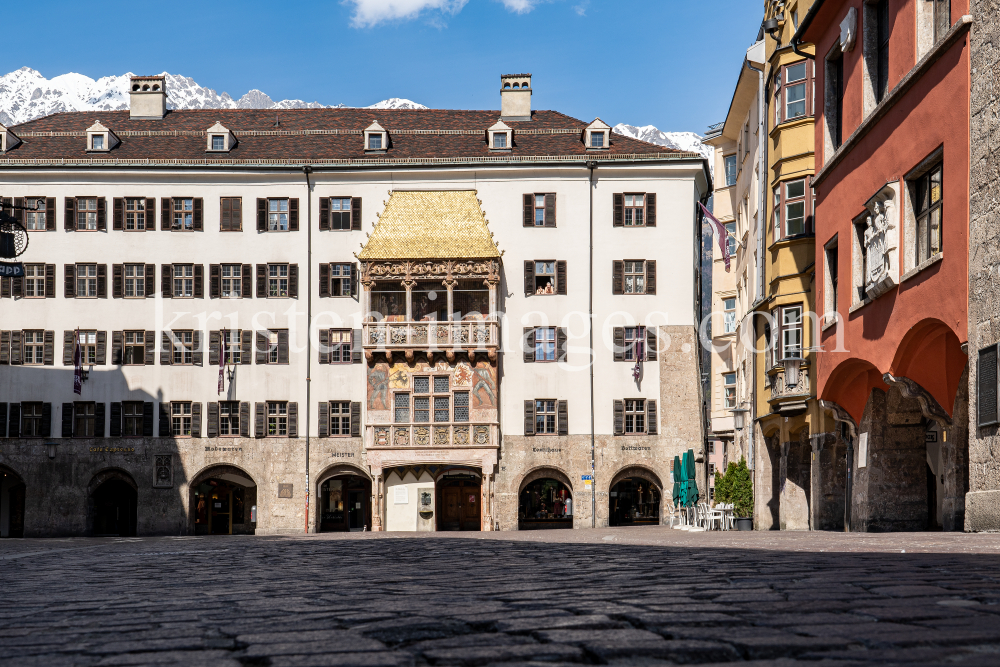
x=669 y=63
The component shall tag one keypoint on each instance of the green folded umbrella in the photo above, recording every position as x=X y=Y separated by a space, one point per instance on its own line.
x=692 y=474
x=676 y=495
x=684 y=480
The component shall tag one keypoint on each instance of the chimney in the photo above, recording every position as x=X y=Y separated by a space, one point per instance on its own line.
x=147 y=98
x=515 y=97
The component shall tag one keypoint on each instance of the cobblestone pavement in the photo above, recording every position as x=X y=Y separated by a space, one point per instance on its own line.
x=615 y=596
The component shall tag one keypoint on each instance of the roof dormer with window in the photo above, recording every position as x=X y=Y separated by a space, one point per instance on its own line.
x=597 y=135
x=100 y=139
x=500 y=137
x=8 y=139
x=376 y=138
x=219 y=139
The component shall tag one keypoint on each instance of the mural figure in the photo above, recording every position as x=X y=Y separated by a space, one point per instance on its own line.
x=484 y=389
x=463 y=375
x=378 y=387
x=399 y=377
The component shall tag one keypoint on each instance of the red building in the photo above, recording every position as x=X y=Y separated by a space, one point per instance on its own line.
x=892 y=211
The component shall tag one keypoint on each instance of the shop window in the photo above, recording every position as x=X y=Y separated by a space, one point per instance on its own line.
x=229 y=418
x=277 y=418
x=180 y=419
x=634 y=501
x=545 y=504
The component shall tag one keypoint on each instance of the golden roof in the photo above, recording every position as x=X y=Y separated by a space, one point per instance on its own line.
x=431 y=225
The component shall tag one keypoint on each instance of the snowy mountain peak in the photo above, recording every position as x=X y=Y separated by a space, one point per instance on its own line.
x=685 y=141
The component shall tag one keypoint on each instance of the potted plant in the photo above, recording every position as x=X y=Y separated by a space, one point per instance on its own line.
x=736 y=487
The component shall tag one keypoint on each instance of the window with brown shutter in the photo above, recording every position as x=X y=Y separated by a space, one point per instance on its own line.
x=545 y=416
x=50 y=281
x=262 y=281
x=260 y=410
x=247 y=291
x=167 y=280
x=279 y=214
x=166 y=213
x=69 y=214
x=293 y=214
x=619 y=417
x=324 y=214
x=150 y=283
x=198 y=222
x=529 y=417
x=633 y=276
x=182 y=217
x=618 y=218
x=618 y=277
x=529 y=344
x=356 y=214
x=540 y=210
x=231 y=216
x=544 y=277
x=69 y=281
x=261 y=214
x=562 y=414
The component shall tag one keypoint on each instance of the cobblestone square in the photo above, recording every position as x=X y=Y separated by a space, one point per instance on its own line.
x=611 y=596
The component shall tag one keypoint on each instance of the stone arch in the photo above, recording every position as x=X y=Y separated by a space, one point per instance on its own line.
x=240 y=516
x=930 y=354
x=219 y=469
x=112 y=499
x=328 y=518
x=622 y=515
x=636 y=471
x=546 y=472
x=335 y=469
x=850 y=384
x=12 y=497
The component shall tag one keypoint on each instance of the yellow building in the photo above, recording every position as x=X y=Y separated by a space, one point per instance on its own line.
x=790 y=426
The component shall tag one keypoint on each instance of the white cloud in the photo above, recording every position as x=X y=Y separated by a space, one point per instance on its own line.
x=520 y=6
x=581 y=9
x=368 y=13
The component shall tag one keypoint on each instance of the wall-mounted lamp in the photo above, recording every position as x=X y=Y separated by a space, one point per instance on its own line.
x=51 y=449
x=739 y=417
x=792 y=365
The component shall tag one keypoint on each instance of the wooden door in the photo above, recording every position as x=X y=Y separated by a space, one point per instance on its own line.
x=471 y=512
x=451 y=517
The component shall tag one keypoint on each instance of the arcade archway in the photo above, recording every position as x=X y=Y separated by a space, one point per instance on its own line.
x=545 y=501
x=634 y=498
x=344 y=500
x=113 y=501
x=12 y=490
x=223 y=501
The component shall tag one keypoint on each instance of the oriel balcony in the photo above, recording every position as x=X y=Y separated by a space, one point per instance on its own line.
x=451 y=338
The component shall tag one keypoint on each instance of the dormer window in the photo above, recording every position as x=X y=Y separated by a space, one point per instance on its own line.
x=7 y=139
x=500 y=137
x=100 y=139
x=596 y=136
x=220 y=139
x=218 y=142
x=500 y=140
x=97 y=142
x=597 y=140
x=376 y=138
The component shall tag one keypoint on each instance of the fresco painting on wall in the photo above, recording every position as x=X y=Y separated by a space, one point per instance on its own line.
x=378 y=387
x=399 y=376
x=484 y=388
x=462 y=376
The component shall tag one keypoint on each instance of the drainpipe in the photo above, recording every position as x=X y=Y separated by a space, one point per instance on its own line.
x=306 y=171
x=593 y=440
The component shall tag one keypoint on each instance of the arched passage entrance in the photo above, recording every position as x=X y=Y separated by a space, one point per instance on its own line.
x=11 y=503
x=344 y=497
x=113 y=500
x=545 y=500
x=634 y=498
x=223 y=501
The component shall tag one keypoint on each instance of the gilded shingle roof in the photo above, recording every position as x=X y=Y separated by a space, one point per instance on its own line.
x=431 y=225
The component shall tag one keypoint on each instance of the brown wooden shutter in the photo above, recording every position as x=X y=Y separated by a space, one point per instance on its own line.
x=550 y=210
x=652 y=343
x=246 y=289
x=14 y=421
x=293 y=281
x=198 y=206
x=49 y=348
x=324 y=346
x=149 y=349
x=651 y=417
x=98 y=420
x=117 y=281
x=68 y=345
x=261 y=347
x=199 y=281
x=245 y=419
x=619 y=210
x=283 y=346
x=529 y=417
x=69 y=215
x=212 y=429
x=324 y=280
x=117 y=347
x=5 y=287
x=354 y=280
x=618 y=277
x=236 y=222
x=246 y=343
x=164 y=420
x=529 y=211
x=67 y=420
x=262 y=281
x=17 y=287
x=619 y=417
x=165 y=210
x=214 y=343
x=529 y=277
x=118 y=221
x=324 y=214
x=650 y=276
x=150 y=281
x=102 y=214
x=215 y=280
x=355 y=419
x=50 y=214
x=562 y=417
x=166 y=349
x=258 y=419
x=197 y=353
x=4 y=347
x=102 y=281
x=261 y=214
x=50 y=281
x=69 y=281
x=356 y=214
x=226 y=214
x=651 y=209
x=619 y=343
x=147 y=419
x=116 y=420
x=16 y=349
x=46 y=420
x=195 y=420
x=150 y=217
x=166 y=280
x=561 y=347
x=324 y=420
x=561 y=287
x=293 y=419
x=3 y=420
x=293 y=214
x=102 y=348
x=529 y=345
x=356 y=346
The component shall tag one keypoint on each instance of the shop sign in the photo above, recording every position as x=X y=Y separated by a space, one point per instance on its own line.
x=546 y=450
x=11 y=269
x=342 y=455
x=113 y=450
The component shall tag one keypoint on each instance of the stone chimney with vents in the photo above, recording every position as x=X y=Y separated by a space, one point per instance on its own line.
x=515 y=97
x=147 y=98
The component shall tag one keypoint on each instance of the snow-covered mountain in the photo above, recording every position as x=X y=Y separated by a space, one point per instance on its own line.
x=685 y=141
x=26 y=94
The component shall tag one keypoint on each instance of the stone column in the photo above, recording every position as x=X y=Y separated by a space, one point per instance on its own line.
x=366 y=300
x=450 y=286
x=493 y=298
x=408 y=284
x=376 y=500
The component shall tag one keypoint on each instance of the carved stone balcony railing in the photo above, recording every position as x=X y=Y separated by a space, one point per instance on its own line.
x=448 y=337
x=435 y=435
x=790 y=400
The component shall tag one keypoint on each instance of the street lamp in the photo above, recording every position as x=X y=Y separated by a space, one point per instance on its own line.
x=739 y=417
x=792 y=365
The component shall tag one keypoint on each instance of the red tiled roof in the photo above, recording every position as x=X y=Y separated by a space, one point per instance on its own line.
x=315 y=136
